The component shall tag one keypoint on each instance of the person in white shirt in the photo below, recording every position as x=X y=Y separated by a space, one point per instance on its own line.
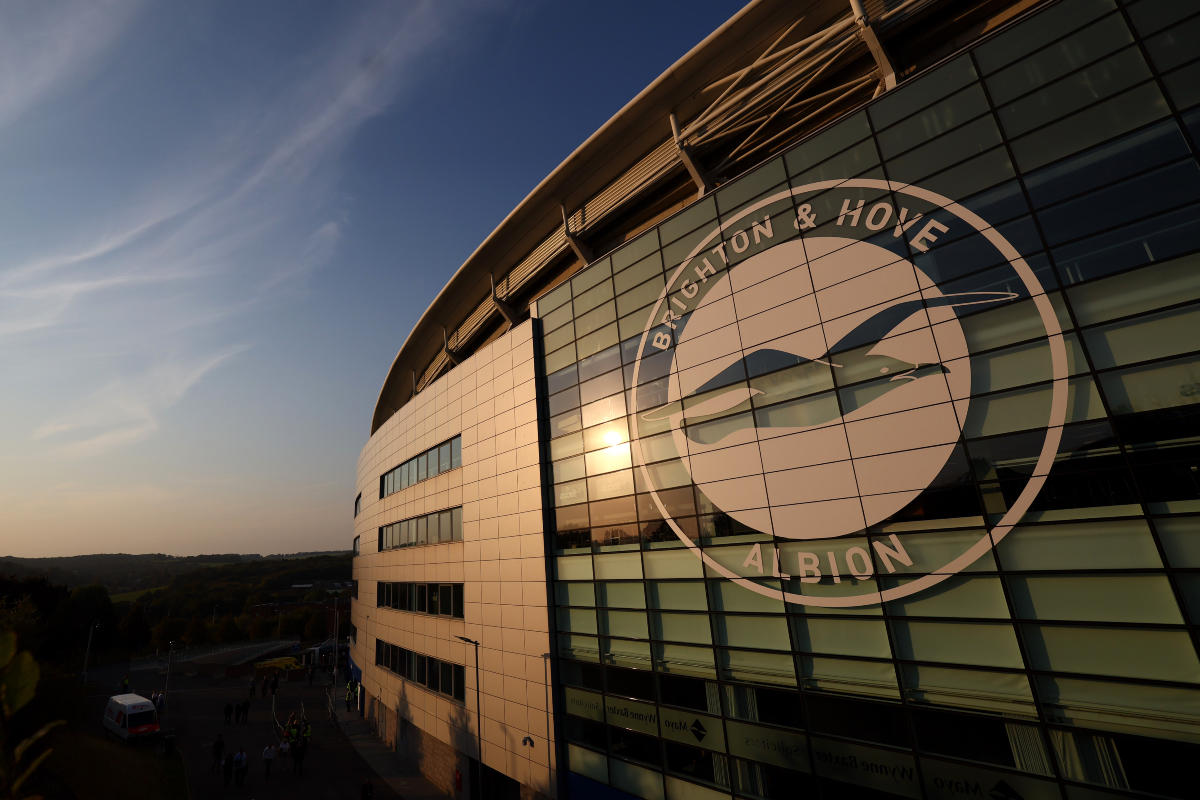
x=284 y=748
x=268 y=757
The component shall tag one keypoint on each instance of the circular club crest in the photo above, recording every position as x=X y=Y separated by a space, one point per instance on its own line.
x=812 y=386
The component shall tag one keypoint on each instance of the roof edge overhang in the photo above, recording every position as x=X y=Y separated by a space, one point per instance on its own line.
x=641 y=124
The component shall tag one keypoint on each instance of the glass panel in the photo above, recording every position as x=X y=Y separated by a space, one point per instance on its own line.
x=922 y=91
x=960 y=596
x=1180 y=540
x=1065 y=55
x=1156 y=386
x=693 y=628
x=589 y=277
x=621 y=595
x=1039 y=31
x=1095 y=598
x=577 y=620
x=1143 y=338
x=1003 y=692
x=748 y=667
x=1145 y=289
x=552 y=300
x=934 y=121
x=1175 y=46
x=1124 y=652
x=767 y=633
x=1146 y=710
x=1111 y=118
x=630 y=624
x=1077 y=90
x=683 y=595
x=988 y=645
x=847 y=637
x=1118 y=544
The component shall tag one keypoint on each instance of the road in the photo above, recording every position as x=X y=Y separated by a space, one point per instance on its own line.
x=333 y=770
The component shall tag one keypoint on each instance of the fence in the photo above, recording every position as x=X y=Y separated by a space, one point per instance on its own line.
x=253 y=648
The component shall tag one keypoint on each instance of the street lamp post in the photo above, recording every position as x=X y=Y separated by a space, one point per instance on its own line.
x=478 y=703
x=88 y=651
x=167 y=688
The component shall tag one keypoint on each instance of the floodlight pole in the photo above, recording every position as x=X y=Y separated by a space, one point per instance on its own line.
x=167 y=688
x=88 y=651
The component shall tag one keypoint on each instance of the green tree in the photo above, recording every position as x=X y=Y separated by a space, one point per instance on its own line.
x=262 y=627
x=21 y=616
x=316 y=595
x=228 y=630
x=196 y=632
x=19 y=675
x=168 y=630
x=133 y=628
x=316 y=629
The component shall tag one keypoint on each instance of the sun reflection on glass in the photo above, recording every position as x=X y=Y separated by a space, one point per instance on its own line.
x=613 y=438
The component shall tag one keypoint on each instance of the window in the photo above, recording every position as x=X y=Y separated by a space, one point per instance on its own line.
x=355 y=546
x=358 y=504
x=443 y=599
x=437 y=675
x=441 y=526
x=430 y=464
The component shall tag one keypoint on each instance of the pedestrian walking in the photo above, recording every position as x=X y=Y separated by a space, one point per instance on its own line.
x=218 y=752
x=239 y=767
x=237 y=713
x=268 y=757
x=229 y=711
x=311 y=672
x=161 y=704
x=350 y=695
x=274 y=683
x=125 y=684
x=252 y=685
x=368 y=790
x=284 y=748
x=265 y=685
x=227 y=770
x=298 y=754
x=245 y=711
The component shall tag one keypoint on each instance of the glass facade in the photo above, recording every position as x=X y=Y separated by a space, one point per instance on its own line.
x=875 y=471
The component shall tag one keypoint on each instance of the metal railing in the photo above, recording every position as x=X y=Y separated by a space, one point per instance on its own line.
x=259 y=646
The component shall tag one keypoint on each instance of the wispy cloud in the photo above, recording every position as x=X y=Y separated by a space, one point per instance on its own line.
x=128 y=409
x=226 y=228
x=46 y=46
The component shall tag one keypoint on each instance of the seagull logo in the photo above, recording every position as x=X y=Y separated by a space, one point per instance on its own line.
x=799 y=416
x=813 y=386
x=870 y=363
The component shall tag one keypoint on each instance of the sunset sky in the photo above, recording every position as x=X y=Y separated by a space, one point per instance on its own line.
x=221 y=219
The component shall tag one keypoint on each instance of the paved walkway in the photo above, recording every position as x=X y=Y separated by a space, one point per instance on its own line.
x=401 y=776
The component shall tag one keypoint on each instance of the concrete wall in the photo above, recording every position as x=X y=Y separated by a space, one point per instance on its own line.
x=491 y=400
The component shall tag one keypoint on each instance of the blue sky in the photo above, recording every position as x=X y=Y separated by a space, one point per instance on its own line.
x=220 y=221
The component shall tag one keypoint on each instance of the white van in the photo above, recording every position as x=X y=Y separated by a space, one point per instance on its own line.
x=130 y=716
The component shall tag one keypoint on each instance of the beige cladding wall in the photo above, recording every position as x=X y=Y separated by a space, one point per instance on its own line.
x=491 y=400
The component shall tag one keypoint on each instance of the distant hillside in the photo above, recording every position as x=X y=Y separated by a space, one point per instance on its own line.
x=121 y=573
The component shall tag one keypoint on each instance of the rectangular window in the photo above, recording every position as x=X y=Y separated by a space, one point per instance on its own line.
x=434 y=598
x=433 y=462
x=443 y=526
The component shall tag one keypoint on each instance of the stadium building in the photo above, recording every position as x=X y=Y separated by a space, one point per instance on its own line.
x=824 y=426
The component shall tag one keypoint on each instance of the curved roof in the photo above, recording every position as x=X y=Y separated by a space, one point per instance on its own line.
x=636 y=130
